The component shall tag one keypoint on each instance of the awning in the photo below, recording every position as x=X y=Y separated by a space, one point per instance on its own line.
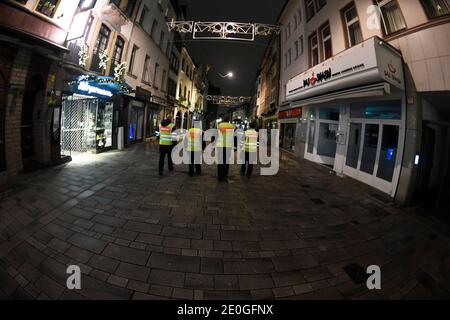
x=101 y=86
x=378 y=89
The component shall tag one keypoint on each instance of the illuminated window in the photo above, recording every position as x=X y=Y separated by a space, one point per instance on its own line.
x=47 y=7
x=435 y=8
x=391 y=16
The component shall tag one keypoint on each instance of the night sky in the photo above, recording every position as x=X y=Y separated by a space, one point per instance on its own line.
x=241 y=58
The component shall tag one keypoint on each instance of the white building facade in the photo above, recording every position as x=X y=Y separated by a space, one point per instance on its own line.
x=366 y=92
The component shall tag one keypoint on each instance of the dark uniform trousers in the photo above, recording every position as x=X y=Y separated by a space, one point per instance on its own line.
x=247 y=167
x=163 y=151
x=224 y=164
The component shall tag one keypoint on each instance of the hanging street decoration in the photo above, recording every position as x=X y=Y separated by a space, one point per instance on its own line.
x=83 y=53
x=119 y=71
x=103 y=60
x=228 y=101
x=224 y=30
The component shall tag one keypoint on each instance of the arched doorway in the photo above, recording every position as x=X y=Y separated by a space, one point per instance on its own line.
x=33 y=96
x=2 y=122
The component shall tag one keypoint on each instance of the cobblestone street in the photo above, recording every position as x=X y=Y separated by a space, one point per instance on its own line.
x=137 y=235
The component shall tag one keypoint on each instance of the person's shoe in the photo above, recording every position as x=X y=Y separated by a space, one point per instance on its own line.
x=191 y=174
x=242 y=173
x=249 y=177
x=161 y=174
x=171 y=169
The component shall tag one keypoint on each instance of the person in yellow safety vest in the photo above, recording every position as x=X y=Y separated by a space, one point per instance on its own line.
x=250 y=148
x=165 y=145
x=173 y=134
x=195 y=149
x=224 y=147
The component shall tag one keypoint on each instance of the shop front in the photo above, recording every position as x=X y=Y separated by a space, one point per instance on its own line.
x=88 y=115
x=354 y=107
x=291 y=130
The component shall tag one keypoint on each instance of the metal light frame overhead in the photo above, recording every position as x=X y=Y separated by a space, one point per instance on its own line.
x=228 y=101
x=223 y=30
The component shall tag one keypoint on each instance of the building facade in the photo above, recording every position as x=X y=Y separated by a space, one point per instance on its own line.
x=368 y=91
x=269 y=86
x=32 y=38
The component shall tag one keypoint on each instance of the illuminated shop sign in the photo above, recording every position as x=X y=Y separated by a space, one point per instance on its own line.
x=289 y=114
x=372 y=61
x=87 y=88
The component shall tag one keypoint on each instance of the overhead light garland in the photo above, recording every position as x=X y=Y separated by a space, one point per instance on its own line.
x=224 y=30
x=228 y=101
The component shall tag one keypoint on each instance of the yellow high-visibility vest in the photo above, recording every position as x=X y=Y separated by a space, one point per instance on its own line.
x=165 y=135
x=173 y=134
x=251 y=141
x=226 y=135
x=194 y=136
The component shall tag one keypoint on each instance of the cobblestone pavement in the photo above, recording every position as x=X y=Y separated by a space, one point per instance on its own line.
x=136 y=235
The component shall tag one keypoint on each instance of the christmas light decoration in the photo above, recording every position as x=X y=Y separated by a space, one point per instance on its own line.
x=224 y=30
x=227 y=100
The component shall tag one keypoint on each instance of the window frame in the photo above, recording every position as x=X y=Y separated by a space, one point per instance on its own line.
x=447 y=5
x=348 y=24
x=382 y=3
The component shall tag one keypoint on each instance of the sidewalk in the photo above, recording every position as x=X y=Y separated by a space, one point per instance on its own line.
x=136 y=235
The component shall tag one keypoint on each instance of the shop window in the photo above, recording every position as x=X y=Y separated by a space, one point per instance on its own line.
x=352 y=26
x=388 y=153
x=435 y=8
x=326 y=42
x=47 y=7
x=329 y=114
x=370 y=148
x=391 y=16
x=383 y=110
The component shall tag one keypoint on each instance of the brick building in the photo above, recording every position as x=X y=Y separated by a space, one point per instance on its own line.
x=32 y=36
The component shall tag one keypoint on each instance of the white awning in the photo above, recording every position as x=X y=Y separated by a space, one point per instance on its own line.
x=379 y=89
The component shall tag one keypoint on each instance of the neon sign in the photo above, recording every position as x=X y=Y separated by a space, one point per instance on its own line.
x=86 y=87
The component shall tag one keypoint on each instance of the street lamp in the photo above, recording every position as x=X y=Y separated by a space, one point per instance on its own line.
x=228 y=75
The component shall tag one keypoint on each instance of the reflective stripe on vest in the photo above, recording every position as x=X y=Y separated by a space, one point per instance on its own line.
x=165 y=136
x=174 y=135
x=251 y=141
x=194 y=140
x=226 y=135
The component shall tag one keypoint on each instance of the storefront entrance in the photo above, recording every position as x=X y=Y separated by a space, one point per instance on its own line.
x=432 y=188
x=373 y=144
x=287 y=136
x=86 y=125
x=136 y=133
x=323 y=126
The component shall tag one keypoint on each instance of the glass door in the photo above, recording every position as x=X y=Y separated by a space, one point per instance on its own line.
x=372 y=153
x=323 y=127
